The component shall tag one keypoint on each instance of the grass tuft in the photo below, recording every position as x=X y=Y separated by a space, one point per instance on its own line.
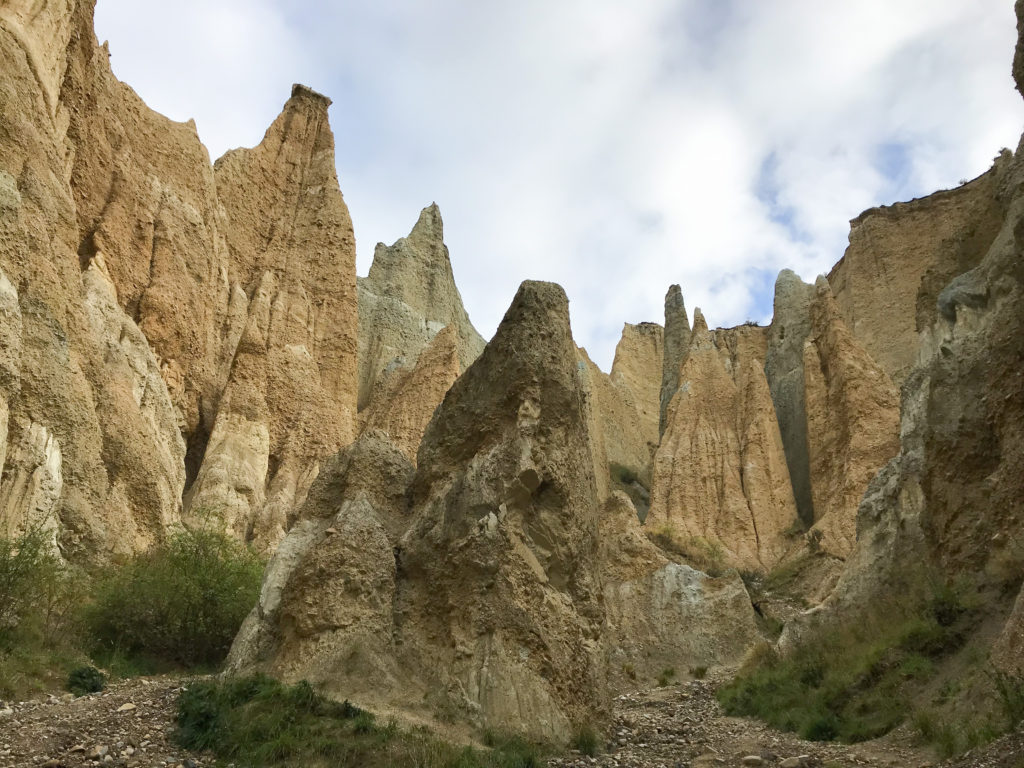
x=256 y=721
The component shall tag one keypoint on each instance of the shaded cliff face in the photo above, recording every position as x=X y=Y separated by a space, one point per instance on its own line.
x=720 y=474
x=408 y=296
x=852 y=423
x=147 y=287
x=676 y=344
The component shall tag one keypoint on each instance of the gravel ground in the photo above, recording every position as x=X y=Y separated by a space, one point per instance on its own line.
x=681 y=726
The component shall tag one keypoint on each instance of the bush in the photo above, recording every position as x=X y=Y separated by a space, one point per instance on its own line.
x=38 y=597
x=256 y=721
x=31 y=577
x=83 y=680
x=585 y=740
x=854 y=682
x=182 y=602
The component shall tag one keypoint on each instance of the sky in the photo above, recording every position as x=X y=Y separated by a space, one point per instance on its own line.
x=613 y=147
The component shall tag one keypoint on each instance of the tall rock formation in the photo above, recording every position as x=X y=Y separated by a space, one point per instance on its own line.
x=493 y=586
x=948 y=507
x=636 y=370
x=852 y=422
x=493 y=605
x=784 y=369
x=837 y=410
x=290 y=396
x=90 y=448
x=408 y=296
x=720 y=474
x=900 y=257
x=137 y=271
x=676 y=344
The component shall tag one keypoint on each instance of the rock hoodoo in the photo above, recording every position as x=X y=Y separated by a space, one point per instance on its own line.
x=677 y=342
x=408 y=297
x=720 y=475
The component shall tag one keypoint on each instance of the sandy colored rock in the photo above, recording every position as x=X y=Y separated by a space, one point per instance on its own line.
x=660 y=614
x=948 y=506
x=676 y=344
x=495 y=607
x=403 y=409
x=720 y=475
x=290 y=238
x=66 y=423
x=852 y=422
x=408 y=296
x=617 y=428
x=900 y=257
x=636 y=368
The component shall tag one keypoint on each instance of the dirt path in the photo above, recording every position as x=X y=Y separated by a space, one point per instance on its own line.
x=681 y=726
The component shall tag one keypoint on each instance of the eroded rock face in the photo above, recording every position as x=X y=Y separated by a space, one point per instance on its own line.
x=500 y=588
x=948 y=505
x=405 y=406
x=660 y=614
x=137 y=271
x=325 y=608
x=720 y=474
x=639 y=359
x=408 y=296
x=901 y=256
x=290 y=396
x=676 y=344
x=784 y=369
x=852 y=422
x=65 y=421
x=501 y=561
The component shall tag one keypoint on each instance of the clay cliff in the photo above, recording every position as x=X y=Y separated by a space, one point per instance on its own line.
x=720 y=477
x=182 y=330
x=496 y=534
x=408 y=296
x=509 y=586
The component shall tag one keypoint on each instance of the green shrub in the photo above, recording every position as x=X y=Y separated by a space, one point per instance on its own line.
x=181 y=602
x=585 y=740
x=39 y=595
x=256 y=721
x=83 y=680
x=698 y=673
x=1010 y=690
x=854 y=682
x=31 y=581
x=666 y=676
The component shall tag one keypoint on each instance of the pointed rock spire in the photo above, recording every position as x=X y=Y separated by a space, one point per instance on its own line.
x=677 y=341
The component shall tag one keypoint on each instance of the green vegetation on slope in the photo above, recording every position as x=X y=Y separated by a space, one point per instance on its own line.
x=256 y=721
x=177 y=606
x=854 y=682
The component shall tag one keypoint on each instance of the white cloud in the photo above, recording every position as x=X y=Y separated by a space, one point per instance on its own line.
x=612 y=147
